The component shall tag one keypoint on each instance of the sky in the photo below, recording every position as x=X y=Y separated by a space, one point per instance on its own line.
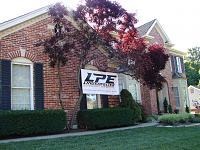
x=180 y=19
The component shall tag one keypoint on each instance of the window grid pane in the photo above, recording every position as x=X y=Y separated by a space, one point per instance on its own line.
x=21 y=99
x=91 y=101
x=21 y=87
x=21 y=75
x=176 y=95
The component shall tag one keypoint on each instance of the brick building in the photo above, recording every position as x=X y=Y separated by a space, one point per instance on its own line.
x=28 y=82
x=175 y=87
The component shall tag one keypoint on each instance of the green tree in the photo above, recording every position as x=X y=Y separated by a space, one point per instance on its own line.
x=192 y=66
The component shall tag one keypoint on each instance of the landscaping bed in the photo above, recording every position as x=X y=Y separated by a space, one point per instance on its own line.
x=179 y=120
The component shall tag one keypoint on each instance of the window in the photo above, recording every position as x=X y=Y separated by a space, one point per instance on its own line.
x=22 y=84
x=134 y=89
x=178 y=64
x=176 y=96
x=93 y=101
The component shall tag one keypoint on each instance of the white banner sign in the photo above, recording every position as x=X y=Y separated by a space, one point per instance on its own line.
x=96 y=82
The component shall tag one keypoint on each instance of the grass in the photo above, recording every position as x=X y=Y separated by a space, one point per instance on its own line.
x=150 y=138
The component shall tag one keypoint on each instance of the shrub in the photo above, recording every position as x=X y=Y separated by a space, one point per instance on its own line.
x=197 y=115
x=170 y=109
x=172 y=119
x=196 y=118
x=104 y=118
x=165 y=105
x=127 y=101
x=31 y=122
x=187 y=109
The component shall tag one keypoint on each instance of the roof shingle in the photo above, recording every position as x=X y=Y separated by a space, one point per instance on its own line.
x=143 y=29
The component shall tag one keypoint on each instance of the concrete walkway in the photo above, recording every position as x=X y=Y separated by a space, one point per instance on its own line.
x=77 y=133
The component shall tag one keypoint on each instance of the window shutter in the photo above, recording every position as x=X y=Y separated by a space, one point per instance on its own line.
x=5 y=84
x=182 y=65
x=104 y=99
x=173 y=62
x=38 y=86
x=83 y=104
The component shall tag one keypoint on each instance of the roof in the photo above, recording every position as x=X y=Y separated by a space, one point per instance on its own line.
x=178 y=52
x=20 y=22
x=143 y=29
x=23 y=18
x=195 y=87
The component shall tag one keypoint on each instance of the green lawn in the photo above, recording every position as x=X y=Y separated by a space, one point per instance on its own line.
x=150 y=138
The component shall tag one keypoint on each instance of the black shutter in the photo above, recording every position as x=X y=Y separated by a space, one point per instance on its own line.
x=38 y=86
x=182 y=65
x=83 y=104
x=104 y=100
x=173 y=64
x=5 y=84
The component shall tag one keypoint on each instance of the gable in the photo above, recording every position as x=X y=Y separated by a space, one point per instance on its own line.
x=157 y=38
x=143 y=29
x=23 y=21
x=153 y=30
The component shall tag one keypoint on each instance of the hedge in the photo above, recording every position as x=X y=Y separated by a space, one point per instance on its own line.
x=31 y=122
x=104 y=118
x=172 y=119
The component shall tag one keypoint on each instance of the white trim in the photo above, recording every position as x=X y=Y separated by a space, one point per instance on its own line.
x=170 y=63
x=178 y=97
x=160 y=30
x=98 y=101
x=21 y=60
x=179 y=65
x=148 y=37
x=193 y=87
x=147 y=33
x=17 y=62
x=23 y=18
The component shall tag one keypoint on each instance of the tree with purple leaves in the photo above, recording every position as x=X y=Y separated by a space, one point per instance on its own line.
x=105 y=23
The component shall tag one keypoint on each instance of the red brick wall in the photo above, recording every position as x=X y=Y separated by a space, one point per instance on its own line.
x=25 y=38
x=146 y=101
x=149 y=96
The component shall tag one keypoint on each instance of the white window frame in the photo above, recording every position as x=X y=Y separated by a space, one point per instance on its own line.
x=177 y=96
x=25 y=62
x=137 y=87
x=98 y=99
x=178 y=64
x=170 y=63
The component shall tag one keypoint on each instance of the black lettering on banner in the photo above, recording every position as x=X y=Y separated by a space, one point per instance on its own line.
x=110 y=79
x=99 y=76
x=88 y=78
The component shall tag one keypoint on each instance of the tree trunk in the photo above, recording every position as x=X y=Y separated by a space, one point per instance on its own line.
x=80 y=98
x=158 y=104
x=60 y=87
